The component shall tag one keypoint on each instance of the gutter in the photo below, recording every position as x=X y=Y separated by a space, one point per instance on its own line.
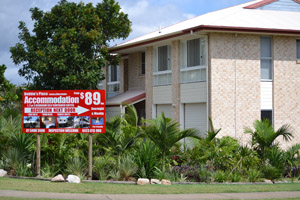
x=209 y=28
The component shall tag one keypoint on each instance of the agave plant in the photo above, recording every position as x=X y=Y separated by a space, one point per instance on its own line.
x=127 y=167
x=77 y=166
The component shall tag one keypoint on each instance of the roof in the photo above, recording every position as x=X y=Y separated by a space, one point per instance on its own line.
x=128 y=97
x=237 y=18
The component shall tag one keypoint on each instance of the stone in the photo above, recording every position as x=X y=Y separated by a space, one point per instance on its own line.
x=155 y=181
x=268 y=181
x=143 y=181
x=2 y=172
x=58 y=178
x=165 y=182
x=73 y=179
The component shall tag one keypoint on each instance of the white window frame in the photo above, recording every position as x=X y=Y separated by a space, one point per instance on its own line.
x=298 y=50
x=157 y=74
x=184 y=59
x=110 y=83
x=100 y=85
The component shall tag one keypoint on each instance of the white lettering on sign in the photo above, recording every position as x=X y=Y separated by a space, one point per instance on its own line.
x=51 y=100
x=90 y=98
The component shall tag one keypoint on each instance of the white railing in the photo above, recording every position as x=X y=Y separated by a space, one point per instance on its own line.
x=162 y=78
x=193 y=74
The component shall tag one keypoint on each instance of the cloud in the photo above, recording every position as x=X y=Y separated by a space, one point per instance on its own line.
x=147 y=16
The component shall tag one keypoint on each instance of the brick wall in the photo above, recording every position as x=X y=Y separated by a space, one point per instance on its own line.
x=234 y=83
x=148 y=82
x=176 y=80
x=135 y=79
x=286 y=86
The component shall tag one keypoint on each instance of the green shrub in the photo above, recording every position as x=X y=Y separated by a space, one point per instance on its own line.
x=147 y=158
x=103 y=165
x=76 y=166
x=220 y=176
x=254 y=175
x=48 y=171
x=24 y=169
x=271 y=172
x=204 y=174
x=235 y=177
x=127 y=167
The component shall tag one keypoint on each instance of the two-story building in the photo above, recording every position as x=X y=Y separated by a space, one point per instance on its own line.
x=235 y=65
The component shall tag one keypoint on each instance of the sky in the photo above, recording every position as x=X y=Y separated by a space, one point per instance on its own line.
x=146 y=16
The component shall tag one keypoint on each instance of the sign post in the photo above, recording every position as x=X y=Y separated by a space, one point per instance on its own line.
x=64 y=111
x=38 y=154
x=90 y=156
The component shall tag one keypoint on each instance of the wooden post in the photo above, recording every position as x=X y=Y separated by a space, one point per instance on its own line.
x=38 y=154
x=90 y=156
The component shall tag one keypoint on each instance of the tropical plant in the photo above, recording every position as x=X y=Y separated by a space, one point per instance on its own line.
x=212 y=133
x=271 y=172
x=12 y=159
x=204 y=174
x=264 y=135
x=127 y=167
x=147 y=158
x=235 y=177
x=165 y=133
x=254 y=175
x=292 y=159
x=77 y=167
x=220 y=176
x=48 y=171
x=103 y=165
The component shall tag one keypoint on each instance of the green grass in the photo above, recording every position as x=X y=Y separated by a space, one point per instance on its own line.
x=104 y=188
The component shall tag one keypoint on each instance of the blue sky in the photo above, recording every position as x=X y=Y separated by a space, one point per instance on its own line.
x=146 y=16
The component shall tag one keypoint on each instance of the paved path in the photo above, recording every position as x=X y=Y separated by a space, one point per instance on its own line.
x=48 y=195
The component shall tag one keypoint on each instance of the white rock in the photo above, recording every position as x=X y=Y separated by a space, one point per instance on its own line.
x=155 y=181
x=143 y=181
x=58 y=178
x=2 y=172
x=268 y=181
x=165 y=182
x=73 y=179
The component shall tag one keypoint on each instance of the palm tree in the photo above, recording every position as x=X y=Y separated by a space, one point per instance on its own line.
x=165 y=133
x=264 y=135
x=121 y=132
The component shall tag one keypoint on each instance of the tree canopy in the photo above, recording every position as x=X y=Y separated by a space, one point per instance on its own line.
x=68 y=46
x=9 y=94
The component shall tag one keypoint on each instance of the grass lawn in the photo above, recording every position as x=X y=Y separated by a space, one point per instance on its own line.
x=105 y=188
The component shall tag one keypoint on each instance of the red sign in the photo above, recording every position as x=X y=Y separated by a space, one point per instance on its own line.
x=64 y=111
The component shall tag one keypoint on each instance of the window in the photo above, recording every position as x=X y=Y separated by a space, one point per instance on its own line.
x=164 y=58
x=193 y=60
x=113 y=84
x=193 y=52
x=162 y=74
x=143 y=63
x=298 y=49
x=267 y=114
x=266 y=58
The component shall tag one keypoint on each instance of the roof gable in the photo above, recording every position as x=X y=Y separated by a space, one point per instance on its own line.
x=280 y=5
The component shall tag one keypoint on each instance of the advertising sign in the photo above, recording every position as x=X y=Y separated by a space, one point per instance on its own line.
x=64 y=111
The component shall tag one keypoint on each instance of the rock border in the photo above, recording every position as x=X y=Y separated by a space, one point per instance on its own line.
x=173 y=183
